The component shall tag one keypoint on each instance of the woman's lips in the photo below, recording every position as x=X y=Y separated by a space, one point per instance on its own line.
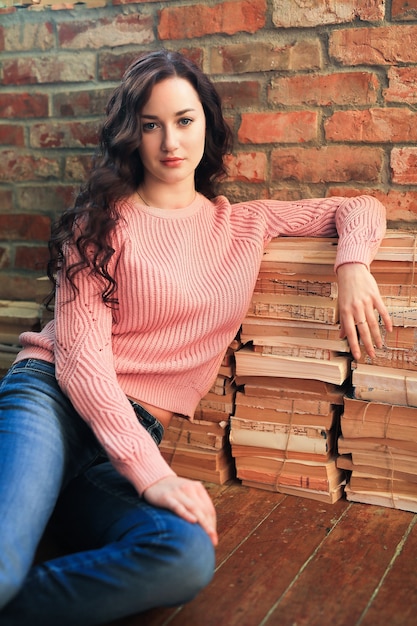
x=172 y=162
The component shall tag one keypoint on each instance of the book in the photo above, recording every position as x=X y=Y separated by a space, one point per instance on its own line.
x=378 y=420
x=278 y=436
x=399 y=358
x=254 y=400
x=313 y=308
x=345 y=462
x=209 y=465
x=335 y=370
x=255 y=328
x=384 y=384
x=17 y=317
x=276 y=471
x=198 y=434
x=293 y=388
x=386 y=499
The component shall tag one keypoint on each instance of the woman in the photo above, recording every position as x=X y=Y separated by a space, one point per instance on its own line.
x=154 y=275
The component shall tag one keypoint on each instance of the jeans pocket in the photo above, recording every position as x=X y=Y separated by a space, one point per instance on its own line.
x=149 y=422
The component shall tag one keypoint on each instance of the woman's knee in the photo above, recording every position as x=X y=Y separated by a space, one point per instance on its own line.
x=196 y=559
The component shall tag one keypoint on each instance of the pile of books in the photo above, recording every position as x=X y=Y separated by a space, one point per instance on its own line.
x=379 y=424
x=200 y=449
x=293 y=371
x=15 y=318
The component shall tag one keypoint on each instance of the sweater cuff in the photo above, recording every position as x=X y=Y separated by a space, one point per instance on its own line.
x=358 y=253
x=143 y=475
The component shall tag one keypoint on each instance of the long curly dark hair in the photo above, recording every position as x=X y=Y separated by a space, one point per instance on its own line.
x=117 y=169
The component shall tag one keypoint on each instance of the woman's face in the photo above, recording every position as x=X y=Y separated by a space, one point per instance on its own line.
x=173 y=133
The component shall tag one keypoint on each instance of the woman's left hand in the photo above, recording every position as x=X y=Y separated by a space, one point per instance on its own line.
x=358 y=298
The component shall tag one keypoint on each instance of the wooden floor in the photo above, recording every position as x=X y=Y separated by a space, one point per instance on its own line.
x=289 y=561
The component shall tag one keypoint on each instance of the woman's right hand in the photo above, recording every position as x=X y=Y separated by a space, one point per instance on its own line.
x=188 y=499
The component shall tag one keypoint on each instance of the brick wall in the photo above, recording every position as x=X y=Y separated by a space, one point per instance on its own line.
x=321 y=96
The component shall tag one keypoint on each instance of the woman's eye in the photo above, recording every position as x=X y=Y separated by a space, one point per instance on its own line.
x=148 y=126
x=185 y=121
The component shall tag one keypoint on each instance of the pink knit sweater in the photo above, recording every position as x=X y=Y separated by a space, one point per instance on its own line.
x=185 y=279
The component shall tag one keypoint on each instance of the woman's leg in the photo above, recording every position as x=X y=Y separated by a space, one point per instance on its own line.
x=131 y=557
x=43 y=442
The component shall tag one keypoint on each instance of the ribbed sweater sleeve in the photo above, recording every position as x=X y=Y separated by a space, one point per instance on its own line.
x=85 y=371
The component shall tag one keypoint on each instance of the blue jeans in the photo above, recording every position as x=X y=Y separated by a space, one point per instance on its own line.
x=124 y=555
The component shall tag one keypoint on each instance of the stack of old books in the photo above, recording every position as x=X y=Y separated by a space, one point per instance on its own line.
x=379 y=424
x=15 y=318
x=200 y=449
x=293 y=371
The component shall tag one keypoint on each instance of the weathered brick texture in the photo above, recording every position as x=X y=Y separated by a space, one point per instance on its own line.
x=321 y=98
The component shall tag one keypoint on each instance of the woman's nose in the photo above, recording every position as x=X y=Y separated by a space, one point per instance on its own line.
x=170 y=140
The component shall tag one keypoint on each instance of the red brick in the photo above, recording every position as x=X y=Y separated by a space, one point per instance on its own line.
x=401 y=206
x=77 y=103
x=121 y=2
x=402 y=85
x=4 y=258
x=349 y=88
x=112 y=65
x=385 y=45
x=197 y=20
x=261 y=57
x=12 y=135
x=278 y=127
x=20 y=227
x=372 y=126
x=44 y=198
x=290 y=14
x=25 y=36
x=52 y=69
x=15 y=105
x=248 y=167
x=13 y=285
x=16 y=167
x=119 y=30
x=77 y=168
x=404 y=166
x=239 y=94
x=6 y=199
x=404 y=9
x=327 y=164
x=31 y=258
x=64 y=135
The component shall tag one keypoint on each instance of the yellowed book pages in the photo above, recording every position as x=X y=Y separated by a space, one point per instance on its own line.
x=387 y=499
x=289 y=405
x=399 y=358
x=344 y=461
x=312 y=308
x=384 y=384
x=334 y=370
x=257 y=327
x=310 y=439
x=326 y=422
x=378 y=420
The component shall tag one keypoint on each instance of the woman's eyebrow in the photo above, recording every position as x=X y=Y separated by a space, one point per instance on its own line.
x=155 y=117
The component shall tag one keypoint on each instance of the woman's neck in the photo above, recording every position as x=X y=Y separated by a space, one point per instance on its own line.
x=166 y=198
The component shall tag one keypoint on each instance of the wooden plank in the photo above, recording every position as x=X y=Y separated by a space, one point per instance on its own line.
x=263 y=566
x=396 y=600
x=338 y=582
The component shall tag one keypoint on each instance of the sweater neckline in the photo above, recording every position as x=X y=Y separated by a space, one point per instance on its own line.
x=170 y=214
